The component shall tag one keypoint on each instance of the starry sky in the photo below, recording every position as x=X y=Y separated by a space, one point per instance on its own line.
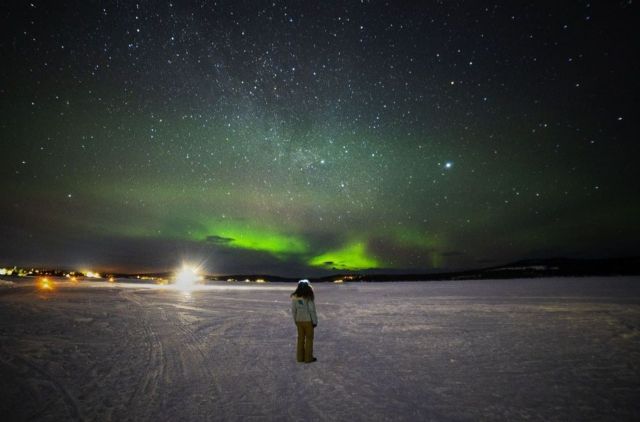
x=312 y=137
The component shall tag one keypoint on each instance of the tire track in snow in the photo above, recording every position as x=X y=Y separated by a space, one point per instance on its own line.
x=181 y=361
x=70 y=402
x=148 y=388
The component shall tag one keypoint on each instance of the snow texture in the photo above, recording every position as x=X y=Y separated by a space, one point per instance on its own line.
x=538 y=349
x=6 y=284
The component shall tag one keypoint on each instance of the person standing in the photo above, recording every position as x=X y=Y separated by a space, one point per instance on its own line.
x=303 y=309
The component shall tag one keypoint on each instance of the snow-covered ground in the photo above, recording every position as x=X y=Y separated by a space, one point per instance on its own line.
x=6 y=283
x=539 y=349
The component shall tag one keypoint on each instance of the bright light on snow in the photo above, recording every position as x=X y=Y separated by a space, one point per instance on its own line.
x=187 y=278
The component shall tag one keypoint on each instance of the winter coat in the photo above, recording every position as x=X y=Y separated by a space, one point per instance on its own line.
x=303 y=309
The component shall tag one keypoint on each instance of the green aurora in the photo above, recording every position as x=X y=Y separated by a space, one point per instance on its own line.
x=316 y=146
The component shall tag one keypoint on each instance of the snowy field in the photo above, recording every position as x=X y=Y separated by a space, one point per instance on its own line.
x=539 y=349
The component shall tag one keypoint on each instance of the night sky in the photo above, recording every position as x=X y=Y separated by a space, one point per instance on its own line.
x=302 y=138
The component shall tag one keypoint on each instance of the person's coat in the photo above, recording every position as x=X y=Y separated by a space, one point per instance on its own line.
x=303 y=309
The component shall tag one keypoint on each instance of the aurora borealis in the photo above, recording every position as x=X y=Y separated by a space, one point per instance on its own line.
x=316 y=137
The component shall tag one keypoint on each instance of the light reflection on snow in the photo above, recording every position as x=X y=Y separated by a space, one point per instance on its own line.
x=172 y=287
x=56 y=283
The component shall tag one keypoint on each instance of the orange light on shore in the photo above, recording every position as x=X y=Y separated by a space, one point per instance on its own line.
x=45 y=284
x=112 y=280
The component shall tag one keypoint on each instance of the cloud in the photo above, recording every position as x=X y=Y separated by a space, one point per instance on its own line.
x=219 y=240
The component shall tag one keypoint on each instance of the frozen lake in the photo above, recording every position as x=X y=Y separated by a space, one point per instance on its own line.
x=539 y=349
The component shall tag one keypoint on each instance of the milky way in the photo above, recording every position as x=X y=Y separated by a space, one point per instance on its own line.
x=314 y=137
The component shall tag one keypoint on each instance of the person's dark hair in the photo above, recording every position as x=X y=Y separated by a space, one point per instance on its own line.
x=304 y=290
